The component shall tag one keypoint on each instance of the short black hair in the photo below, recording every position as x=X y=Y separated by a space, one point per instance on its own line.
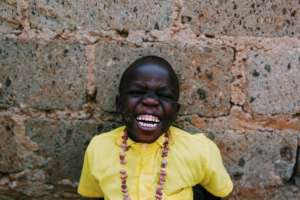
x=151 y=60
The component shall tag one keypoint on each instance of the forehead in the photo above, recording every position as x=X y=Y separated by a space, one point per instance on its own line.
x=149 y=72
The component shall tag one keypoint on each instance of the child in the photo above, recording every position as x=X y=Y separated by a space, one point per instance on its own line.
x=147 y=158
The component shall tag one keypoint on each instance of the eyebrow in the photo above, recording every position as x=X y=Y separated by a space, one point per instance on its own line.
x=140 y=84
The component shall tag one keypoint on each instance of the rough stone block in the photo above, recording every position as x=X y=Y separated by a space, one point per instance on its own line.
x=62 y=145
x=11 y=155
x=98 y=15
x=204 y=73
x=287 y=192
x=17 y=150
x=43 y=76
x=257 y=159
x=273 y=80
x=243 y=17
x=8 y=16
x=260 y=162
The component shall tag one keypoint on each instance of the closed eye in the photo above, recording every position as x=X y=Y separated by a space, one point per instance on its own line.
x=136 y=92
x=166 y=96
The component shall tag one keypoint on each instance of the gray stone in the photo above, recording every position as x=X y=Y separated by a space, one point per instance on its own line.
x=11 y=155
x=43 y=76
x=243 y=17
x=62 y=144
x=288 y=191
x=17 y=151
x=273 y=80
x=8 y=16
x=204 y=73
x=98 y=15
x=257 y=159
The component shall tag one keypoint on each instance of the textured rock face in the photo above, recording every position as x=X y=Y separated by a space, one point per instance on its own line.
x=101 y=15
x=60 y=65
x=8 y=16
x=61 y=144
x=273 y=79
x=44 y=76
x=58 y=148
x=204 y=73
x=243 y=18
x=11 y=157
x=258 y=158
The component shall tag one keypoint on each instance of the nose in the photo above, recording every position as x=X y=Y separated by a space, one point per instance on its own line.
x=150 y=100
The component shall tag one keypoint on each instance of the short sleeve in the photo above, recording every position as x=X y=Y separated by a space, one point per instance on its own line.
x=216 y=179
x=88 y=185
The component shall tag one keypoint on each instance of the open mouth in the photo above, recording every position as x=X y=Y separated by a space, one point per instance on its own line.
x=147 y=122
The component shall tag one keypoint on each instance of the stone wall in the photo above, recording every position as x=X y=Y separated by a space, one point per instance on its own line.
x=239 y=68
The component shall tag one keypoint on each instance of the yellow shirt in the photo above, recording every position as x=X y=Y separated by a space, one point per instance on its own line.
x=192 y=159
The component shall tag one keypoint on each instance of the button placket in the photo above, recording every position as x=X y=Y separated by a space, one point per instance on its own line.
x=147 y=175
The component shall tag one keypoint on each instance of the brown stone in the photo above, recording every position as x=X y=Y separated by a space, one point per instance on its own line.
x=100 y=15
x=204 y=73
x=243 y=18
x=43 y=76
x=240 y=120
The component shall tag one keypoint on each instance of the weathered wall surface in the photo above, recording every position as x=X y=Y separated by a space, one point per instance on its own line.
x=60 y=62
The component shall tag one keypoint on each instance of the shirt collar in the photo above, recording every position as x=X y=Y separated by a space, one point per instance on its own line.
x=130 y=142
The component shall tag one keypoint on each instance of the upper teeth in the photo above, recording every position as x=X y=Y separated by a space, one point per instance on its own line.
x=150 y=118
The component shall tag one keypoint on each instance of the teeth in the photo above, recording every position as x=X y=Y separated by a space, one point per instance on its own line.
x=147 y=125
x=148 y=118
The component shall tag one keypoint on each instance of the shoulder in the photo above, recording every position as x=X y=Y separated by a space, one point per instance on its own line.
x=197 y=143
x=197 y=139
x=106 y=139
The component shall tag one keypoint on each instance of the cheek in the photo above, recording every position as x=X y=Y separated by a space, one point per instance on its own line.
x=170 y=110
x=129 y=104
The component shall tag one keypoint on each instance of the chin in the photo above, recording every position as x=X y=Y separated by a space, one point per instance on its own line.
x=144 y=135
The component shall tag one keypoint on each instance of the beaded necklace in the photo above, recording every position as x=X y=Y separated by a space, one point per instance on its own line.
x=163 y=167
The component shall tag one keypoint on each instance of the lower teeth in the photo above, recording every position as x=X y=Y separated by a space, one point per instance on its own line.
x=147 y=125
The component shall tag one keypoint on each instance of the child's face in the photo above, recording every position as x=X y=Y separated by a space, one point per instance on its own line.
x=148 y=102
